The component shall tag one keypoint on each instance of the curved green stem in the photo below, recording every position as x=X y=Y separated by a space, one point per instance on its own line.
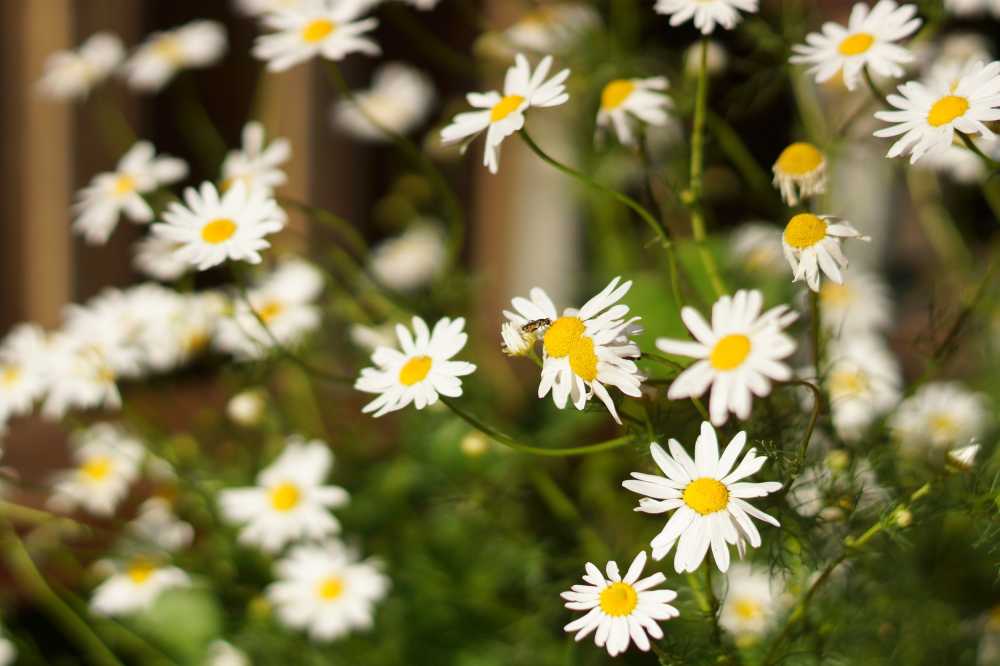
x=991 y=164
x=875 y=90
x=817 y=405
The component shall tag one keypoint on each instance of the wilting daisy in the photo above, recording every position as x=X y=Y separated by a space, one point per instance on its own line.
x=410 y=260
x=836 y=488
x=79 y=377
x=708 y=496
x=399 y=100
x=107 y=462
x=621 y=609
x=215 y=228
x=157 y=525
x=289 y=502
x=552 y=27
x=327 y=591
x=163 y=54
x=752 y=601
x=257 y=164
x=812 y=244
x=859 y=305
x=628 y=101
x=863 y=380
x=502 y=115
x=964 y=457
x=800 y=172
x=139 y=172
x=928 y=116
x=939 y=416
x=867 y=41
x=585 y=350
x=135 y=586
x=706 y=13
x=73 y=74
x=420 y=371
x=756 y=246
x=739 y=354
x=23 y=370
x=315 y=28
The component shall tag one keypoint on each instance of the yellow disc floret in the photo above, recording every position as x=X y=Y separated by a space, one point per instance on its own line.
x=706 y=495
x=799 y=159
x=415 y=370
x=856 y=44
x=615 y=93
x=619 y=599
x=330 y=589
x=730 y=352
x=96 y=469
x=218 y=230
x=505 y=107
x=947 y=109
x=285 y=497
x=141 y=571
x=805 y=230
x=562 y=335
x=318 y=30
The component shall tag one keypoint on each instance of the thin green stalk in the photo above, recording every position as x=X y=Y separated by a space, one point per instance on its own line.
x=565 y=510
x=875 y=90
x=647 y=166
x=431 y=44
x=815 y=331
x=991 y=164
x=813 y=418
x=332 y=220
x=116 y=131
x=195 y=122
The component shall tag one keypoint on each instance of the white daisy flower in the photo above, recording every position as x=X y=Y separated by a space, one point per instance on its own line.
x=753 y=600
x=964 y=457
x=812 y=244
x=135 y=586
x=163 y=54
x=177 y=327
x=107 y=462
x=585 y=350
x=961 y=164
x=756 y=246
x=625 y=102
x=863 y=380
x=73 y=74
x=109 y=195
x=972 y=7
x=23 y=370
x=221 y=653
x=247 y=407
x=289 y=502
x=215 y=228
x=706 y=13
x=156 y=257
x=261 y=7
x=621 y=610
x=420 y=371
x=502 y=115
x=939 y=416
x=716 y=60
x=257 y=164
x=708 y=497
x=371 y=338
x=739 y=354
x=157 y=525
x=858 y=305
x=112 y=325
x=836 y=488
x=552 y=27
x=800 y=172
x=412 y=259
x=315 y=28
x=327 y=591
x=929 y=115
x=422 y=5
x=79 y=377
x=399 y=100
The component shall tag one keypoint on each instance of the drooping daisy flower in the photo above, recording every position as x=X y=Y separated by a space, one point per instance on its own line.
x=157 y=525
x=421 y=371
x=706 y=13
x=621 y=609
x=961 y=164
x=502 y=115
x=928 y=116
x=939 y=416
x=73 y=74
x=515 y=341
x=858 y=305
x=412 y=259
x=213 y=229
x=753 y=599
x=327 y=591
x=812 y=244
x=23 y=370
x=135 y=586
x=800 y=172
x=289 y=502
x=585 y=350
x=867 y=41
x=627 y=101
x=739 y=354
x=551 y=28
x=111 y=194
x=79 y=377
x=863 y=380
x=399 y=100
x=964 y=457
x=756 y=246
x=107 y=462
x=836 y=488
x=257 y=164
x=315 y=28
x=163 y=54
x=972 y=7
x=708 y=496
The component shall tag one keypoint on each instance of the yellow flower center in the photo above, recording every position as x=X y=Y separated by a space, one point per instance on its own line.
x=270 y=310
x=583 y=360
x=619 y=599
x=848 y=383
x=565 y=338
x=285 y=496
x=943 y=425
x=505 y=107
x=415 y=370
x=856 y=44
x=218 y=230
x=318 y=30
x=124 y=184
x=947 y=109
x=730 y=352
x=169 y=48
x=615 y=93
x=330 y=588
x=747 y=609
x=96 y=469
x=10 y=375
x=706 y=495
x=805 y=230
x=799 y=159
x=141 y=571
x=832 y=293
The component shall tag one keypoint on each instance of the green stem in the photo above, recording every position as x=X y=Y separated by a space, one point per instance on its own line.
x=875 y=90
x=817 y=405
x=330 y=219
x=991 y=164
x=197 y=124
x=116 y=131
x=816 y=327
x=673 y=364
x=431 y=44
x=647 y=166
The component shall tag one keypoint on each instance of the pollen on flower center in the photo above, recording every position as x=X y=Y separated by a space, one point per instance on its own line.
x=582 y=359
x=848 y=383
x=330 y=588
x=218 y=230
x=318 y=30
x=619 y=599
x=799 y=159
x=615 y=93
x=856 y=44
x=730 y=352
x=285 y=496
x=747 y=609
x=141 y=571
x=805 y=230
x=270 y=310
x=706 y=495
x=562 y=335
x=505 y=107
x=943 y=425
x=415 y=370
x=124 y=184
x=947 y=109
x=96 y=469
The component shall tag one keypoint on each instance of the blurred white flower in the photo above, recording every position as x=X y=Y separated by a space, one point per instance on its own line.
x=79 y=377
x=156 y=257
x=859 y=305
x=176 y=327
x=800 y=172
x=247 y=407
x=222 y=653
x=257 y=164
x=756 y=246
x=812 y=244
x=752 y=602
x=863 y=380
x=135 y=586
x=939 y=416
x=972 y=7
x=836 y=488
x=261 y=7
x=163 y=54
x=961 y=164
x=551 y=28
x=625 y=102
x=399 y=100
x=371 y=338
x=8 y=653
x=23 y=370
x=315 y=28
x=107 y=461
x=706 y=13
x=716 y=60
x=410 y=260
x=157 y=525
x=73 y=74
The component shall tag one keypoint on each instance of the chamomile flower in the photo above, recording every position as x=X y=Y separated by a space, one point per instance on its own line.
x=157 y=525
x=418 y=372
x=622 y=610
x=156 y=257
x=8 y=651
x=972 y=7
x=584 y=351
x=552 y=27
x=863 y=380
x=23 y=370
x=939 y=416
x=315 y=28
x=716 y=60
x=412 y=259
x=73 y=74
x=812 y=244
x=175 y=327
x=214 y=228
x=625 y=102
x=739 y=354
x=257 y=164
x=706 y=13
x=327 y=590
x=247 y=407
x=928 y=115
x=109 y=195
x=836 y=488
x=163 y=54
x=80 y=376
x=756 y=247
x=107 y=462
x=399 y=100
x=752 y=601
x=858 y=305
x=222 y=653
x=261 y=7
x=708 y=496
x=502 y=115
x=289 y=502
x=515 y=341
x=868 y=40
x=964 y=457
x=135 y=586
x=800 y=172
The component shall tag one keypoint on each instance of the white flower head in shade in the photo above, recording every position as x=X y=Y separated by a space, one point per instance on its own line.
x=626 y=102
x=501 y=115
x=585 y=350
x=181 y=327
x=107 y=461
x=551 y=27
x=753 y=600
x=398 y=101
x=8 y=652
x=858 y=305
x=863 y=380
x=868 y=40
x=261 y=7
x=79 y=377
x=420 y=370
x=929 y=115
x=163 y=54
x=111 y=326
x=716 y=60
x=156 y=257
x=706 y=13
x=412 y=259
x=109 y=195
x=800 y=172
x=73 y=74
x=964 y=457
x=289 y=502
x=812 y=244
x=246 y=408
x=157 y=525
x=135 y=586
x=756 y=247
x=315 y=28
x=708 y=497
x=836 y=488
x=739 y=354
x=972 y=7
x=215 y=228
x=327 y=591
x=257 y=164
x=938 y=417
x=23 y=370
x=222 y=653
x=620 y=609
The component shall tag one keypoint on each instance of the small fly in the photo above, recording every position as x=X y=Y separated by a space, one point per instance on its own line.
x=536 y=325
